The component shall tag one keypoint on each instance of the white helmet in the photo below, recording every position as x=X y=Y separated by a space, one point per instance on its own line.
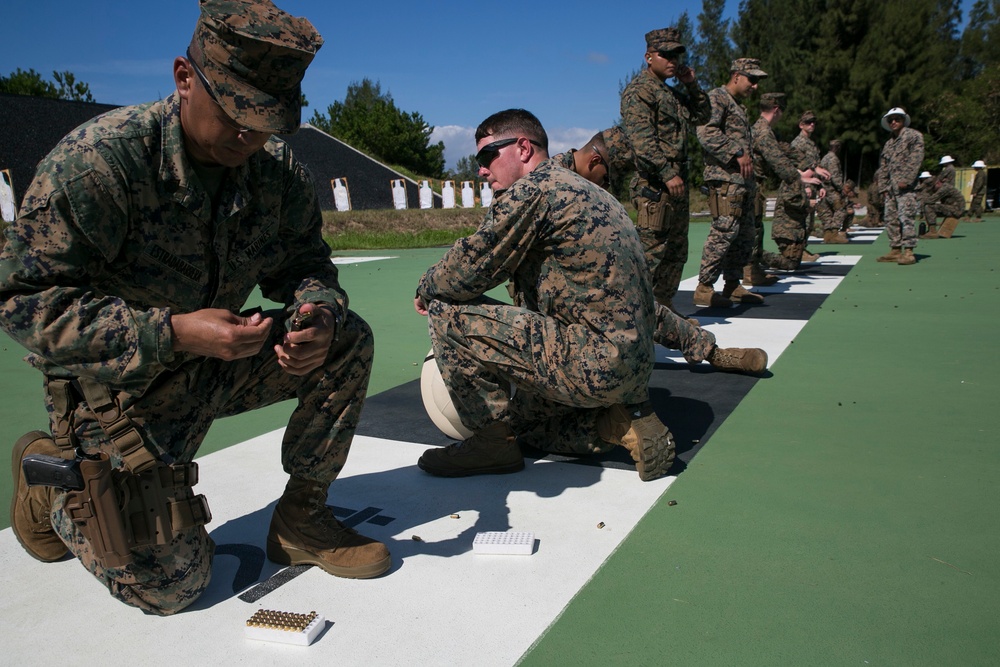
x=925 y=174
x=979 y=164
x=946 y=159
x=895 y=111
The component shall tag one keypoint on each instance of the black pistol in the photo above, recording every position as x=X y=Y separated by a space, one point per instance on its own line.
x=42 y=470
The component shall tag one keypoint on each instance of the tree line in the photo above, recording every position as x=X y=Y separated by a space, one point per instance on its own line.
x=850 y=61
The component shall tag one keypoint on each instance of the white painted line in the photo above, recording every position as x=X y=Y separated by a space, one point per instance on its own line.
x=359 y=260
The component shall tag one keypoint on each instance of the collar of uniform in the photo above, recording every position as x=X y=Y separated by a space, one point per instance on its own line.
x=177 y=176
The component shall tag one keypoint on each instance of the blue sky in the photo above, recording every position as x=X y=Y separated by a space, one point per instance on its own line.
x=454 y=63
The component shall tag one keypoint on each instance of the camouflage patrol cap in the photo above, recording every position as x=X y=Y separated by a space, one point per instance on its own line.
x=771 y=100
x=748 y=67
x=620 y=156
x=664 y=39
x=254 y=56
x=807 y=117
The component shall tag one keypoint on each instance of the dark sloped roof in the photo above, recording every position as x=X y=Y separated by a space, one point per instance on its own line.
x=30 y=127
x=328 y=158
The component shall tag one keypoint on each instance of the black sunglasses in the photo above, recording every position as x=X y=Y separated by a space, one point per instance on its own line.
x=489 y=152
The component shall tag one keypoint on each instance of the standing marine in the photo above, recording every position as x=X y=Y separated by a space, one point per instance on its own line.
x=899 y=165
x=657 y=120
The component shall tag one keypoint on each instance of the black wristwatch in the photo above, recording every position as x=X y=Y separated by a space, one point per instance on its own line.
x=739 y=153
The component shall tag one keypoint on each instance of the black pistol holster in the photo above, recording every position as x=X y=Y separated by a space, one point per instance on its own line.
x=146 y=502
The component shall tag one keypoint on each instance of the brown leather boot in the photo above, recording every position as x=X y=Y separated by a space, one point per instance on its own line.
x=706 y=296
x=809 y=256
x=651 y=445
x=891 y=256
x=907 y=257
x=753 y=275
x=832 y=236
x=31 y=506
x=931 y=232
x=491 y=450
x=749 y=360
x=305 y=532
x=739 y=294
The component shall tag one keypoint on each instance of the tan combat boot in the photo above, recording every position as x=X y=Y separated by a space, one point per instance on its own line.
x=706 y=296
x=305 y=532
x=739 y=294
x=492 y=450
x=809 y=256
x=907 y=257
x=931 y=232
x=31 y=506
x=650 y=444
x=750 y=360
x=753 y=275
x=891 y=256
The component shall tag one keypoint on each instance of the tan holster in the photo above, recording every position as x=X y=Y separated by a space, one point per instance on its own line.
x=721 y=203
x=145 y=503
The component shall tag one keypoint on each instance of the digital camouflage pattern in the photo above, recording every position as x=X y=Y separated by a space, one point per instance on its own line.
x=730 y=243
x=254 y=56
x=807 y=148
x=657 y=120
x=832 y=210
x=876 y=203
x=978 y=193
x=677 y=333
x=791 y=218
x=579 y=336
x=116 y=234
x=899 y=165
x=945 y=202
x=947 y=174
x=769 y=160
x=671 y=331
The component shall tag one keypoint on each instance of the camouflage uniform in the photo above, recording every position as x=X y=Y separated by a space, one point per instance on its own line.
x=657 y=120
x=875 y=203
x=769 y=158
x=899 y=163
x=580 y=333
x=978 y=193
x=947 y=174
x=831 y=210
x=946 y=202
x=671 y=330
x=118 y=233
x=730 y=243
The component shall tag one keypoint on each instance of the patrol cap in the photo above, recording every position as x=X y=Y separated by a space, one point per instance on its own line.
x=771 y=100
x=253 y=57
x=620 y=156
x=835 y=144
x=895 y=111
x=748 y=67
x=807 y=117
x=664 y=39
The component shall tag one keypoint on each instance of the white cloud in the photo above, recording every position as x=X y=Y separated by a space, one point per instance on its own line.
x=563 y=139
x=458 y=141
x=598 y=58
